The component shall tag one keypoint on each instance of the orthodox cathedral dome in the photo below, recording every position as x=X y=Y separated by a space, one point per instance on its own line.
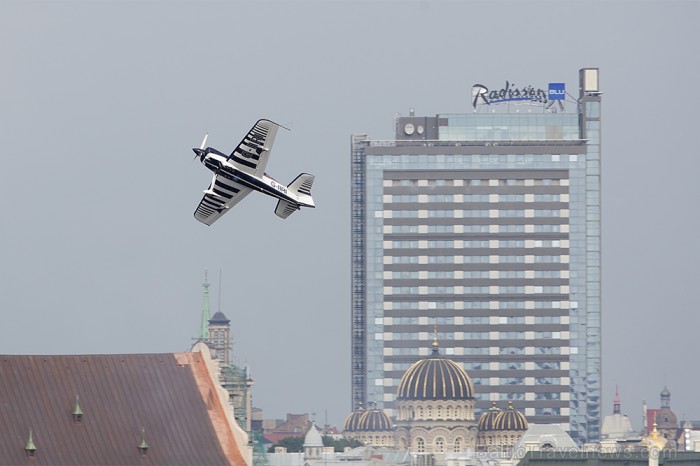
x=374 y=420
x=435 y=378
x=352 y=422
x=371 y=427
x=510 y=419
x=487 y=418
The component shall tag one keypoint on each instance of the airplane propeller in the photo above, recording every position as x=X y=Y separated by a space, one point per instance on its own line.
x=200 y=152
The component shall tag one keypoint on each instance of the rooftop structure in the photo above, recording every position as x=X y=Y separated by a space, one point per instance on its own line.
x=165 y=407
x=617 y=425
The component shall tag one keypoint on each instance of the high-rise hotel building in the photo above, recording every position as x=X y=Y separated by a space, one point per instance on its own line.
x=487 y=225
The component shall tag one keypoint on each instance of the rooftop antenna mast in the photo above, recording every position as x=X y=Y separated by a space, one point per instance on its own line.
x=204 y=326
x=219 y=303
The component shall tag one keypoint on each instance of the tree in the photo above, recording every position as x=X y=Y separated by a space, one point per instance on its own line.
x=292 y=444
x=339 y=445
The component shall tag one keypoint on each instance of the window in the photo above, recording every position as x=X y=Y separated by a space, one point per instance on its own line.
x=440 y=198
x=546 y=380
x=439 y=244
x=476 y=198
x=475 y=213
x=404 y=244
x=404 y=214
x=511 y=213
x=439 y=445
x=404 y=260
x=440 y=213
x=511 y=365
x=547 y=365
x=440 y=259
x=476 y=320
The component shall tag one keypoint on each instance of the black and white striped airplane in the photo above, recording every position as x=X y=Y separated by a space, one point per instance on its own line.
x=243 y=171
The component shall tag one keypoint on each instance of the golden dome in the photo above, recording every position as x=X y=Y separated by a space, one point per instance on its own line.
x=374 y=420
x=435 y=378
x=352 y=422
x=487 y=418
x=510 y=419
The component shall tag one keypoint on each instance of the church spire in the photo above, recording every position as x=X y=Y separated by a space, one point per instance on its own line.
x=204 y=327
x=616 y=402
x=665 y=397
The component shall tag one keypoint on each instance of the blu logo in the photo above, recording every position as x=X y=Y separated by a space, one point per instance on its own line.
x=557 y=91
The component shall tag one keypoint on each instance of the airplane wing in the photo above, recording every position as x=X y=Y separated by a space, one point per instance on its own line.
x=221 y=195
x=252 y=153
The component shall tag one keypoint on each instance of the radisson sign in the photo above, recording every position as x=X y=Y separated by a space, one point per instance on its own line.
x=512 y=93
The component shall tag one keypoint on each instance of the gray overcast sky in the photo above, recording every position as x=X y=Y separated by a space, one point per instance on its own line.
x=101 y=102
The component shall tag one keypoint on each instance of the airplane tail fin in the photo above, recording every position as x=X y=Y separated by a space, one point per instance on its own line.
x=301 y=186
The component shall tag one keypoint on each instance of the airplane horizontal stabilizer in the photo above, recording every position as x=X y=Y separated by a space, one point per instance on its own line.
x=301 y=186
x=285 y=208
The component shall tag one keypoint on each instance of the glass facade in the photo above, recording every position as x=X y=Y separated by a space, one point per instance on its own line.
x=491 y=231
x=510 y=127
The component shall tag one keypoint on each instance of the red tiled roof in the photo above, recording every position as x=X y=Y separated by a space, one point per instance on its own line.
x=276 y=437
x=171 y=396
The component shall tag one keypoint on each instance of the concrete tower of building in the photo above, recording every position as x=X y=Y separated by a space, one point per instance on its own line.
x=220 y=337
x=487 y=223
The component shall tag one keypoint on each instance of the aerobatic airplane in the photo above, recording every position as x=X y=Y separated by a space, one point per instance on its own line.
x=243 y=171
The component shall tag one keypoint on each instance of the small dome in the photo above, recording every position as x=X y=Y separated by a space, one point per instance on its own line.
x=219 y=318
x=313 y=438
x=510 y=419
x=487 y=418
x=352 y=422
x=665 y=392
x=435 y=378
x=374 y=420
